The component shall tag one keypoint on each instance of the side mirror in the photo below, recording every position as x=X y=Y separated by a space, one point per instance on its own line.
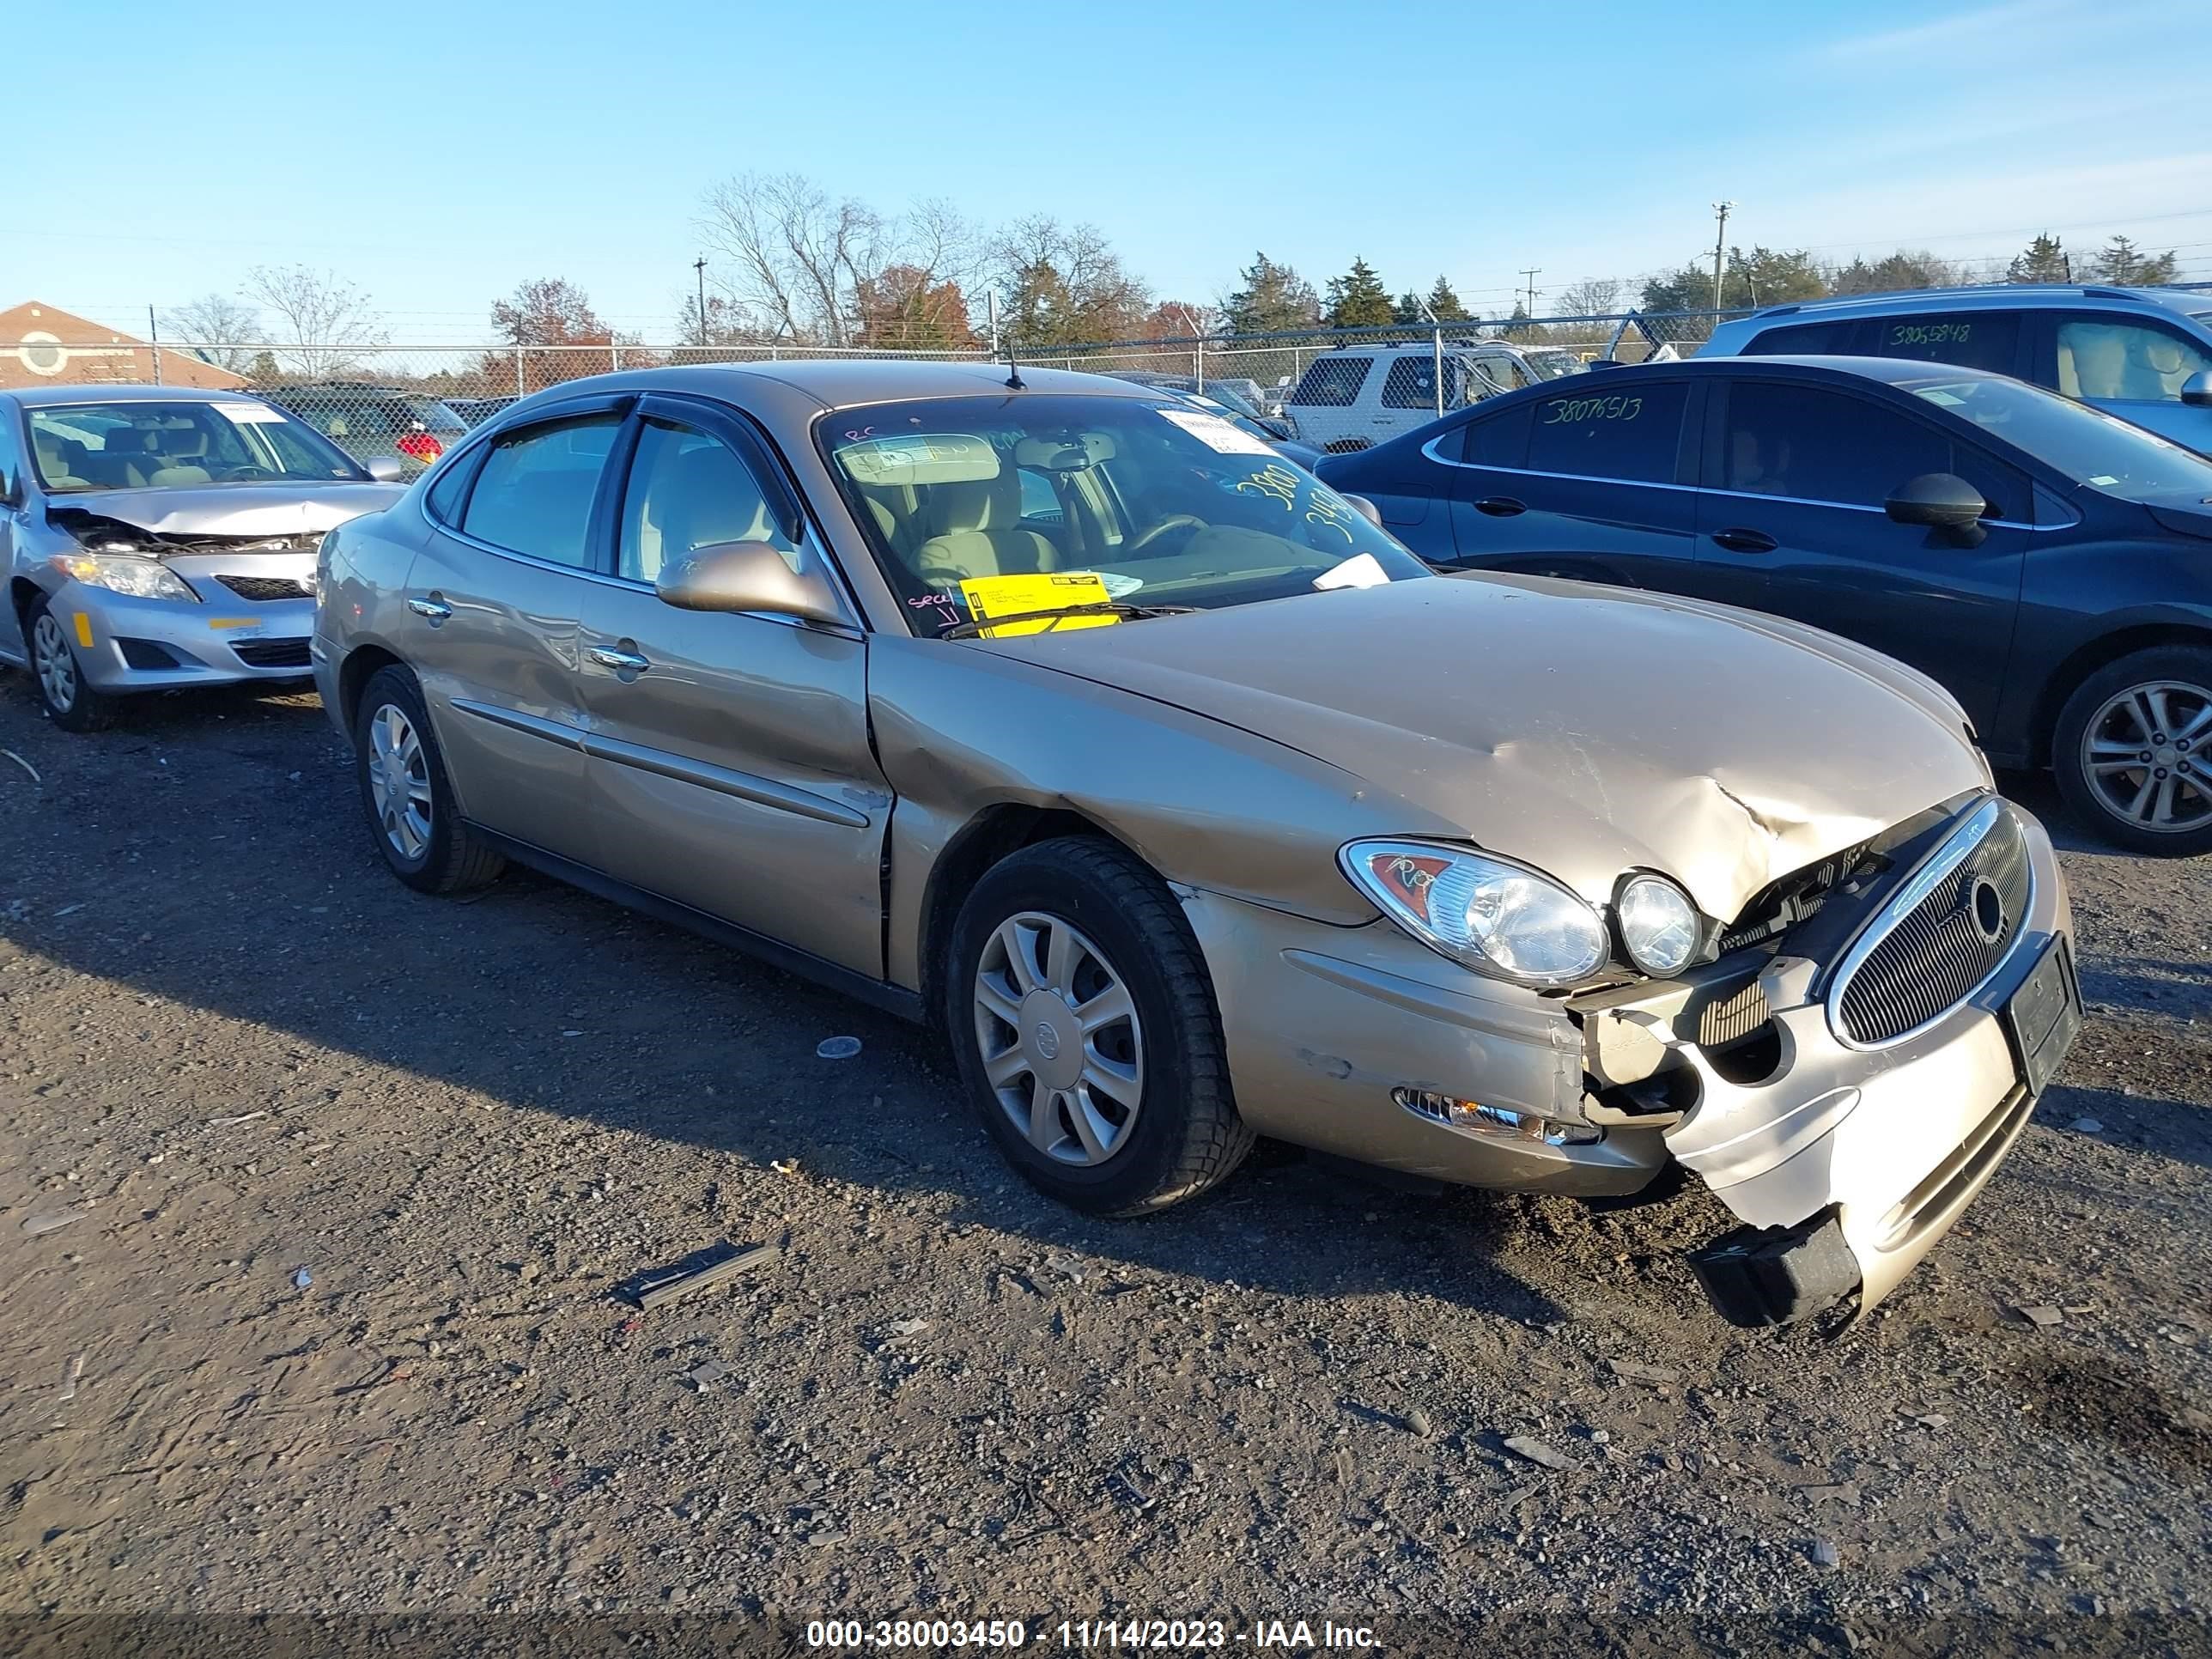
x=1274 y=429
x=1366 y=509
x=1941 y=500
x=747 y=576
x=2197 y=390
x=384 y=469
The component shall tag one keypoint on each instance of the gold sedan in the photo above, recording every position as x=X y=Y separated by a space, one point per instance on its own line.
x=1192 y=807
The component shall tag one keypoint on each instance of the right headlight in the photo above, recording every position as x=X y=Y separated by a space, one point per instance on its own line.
x=141 y=579
x=1483 y=913
x=1659 y=925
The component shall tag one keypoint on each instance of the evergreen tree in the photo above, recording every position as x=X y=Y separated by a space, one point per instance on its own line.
x=1445 y=304
x=2043 y=260
x=1359 y=299
x=2121 y=261
x=1274 y=298
x=1406 y=308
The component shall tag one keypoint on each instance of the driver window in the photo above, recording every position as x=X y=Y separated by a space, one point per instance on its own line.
x=2111 y=361
x=688 y=490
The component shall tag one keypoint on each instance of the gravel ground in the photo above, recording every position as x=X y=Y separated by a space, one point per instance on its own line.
x=349 y=1175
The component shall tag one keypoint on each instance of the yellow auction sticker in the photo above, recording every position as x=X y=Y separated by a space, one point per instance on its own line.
x=1022 y=595
x=221 y=623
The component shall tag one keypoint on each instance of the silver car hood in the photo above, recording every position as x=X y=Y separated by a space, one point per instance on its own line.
x=235 y=509
x=1586 y=730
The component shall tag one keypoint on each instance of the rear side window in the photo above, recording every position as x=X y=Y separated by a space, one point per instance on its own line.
x=1410 y=384
x=533 y=494
x=1828 y=339
x=1632 y=433
x=1968 y=339
x=444 y=499
x=2118 y=359
x=1500 y=439
x=1333 y=380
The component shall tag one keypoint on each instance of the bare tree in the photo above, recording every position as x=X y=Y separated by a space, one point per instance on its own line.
x=1594 y=297
x=1064 y=284
x=327 y=320
x=220 y=328
x=797 y=257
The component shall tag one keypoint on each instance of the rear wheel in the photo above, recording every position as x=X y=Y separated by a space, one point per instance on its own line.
x=2133 y=750
x=73 y=705
x=406 y=794
x=1084 y=1024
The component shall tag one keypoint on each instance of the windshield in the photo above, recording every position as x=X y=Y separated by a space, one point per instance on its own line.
x=2086 y=444
x=969 y=499
x=1551 y=365
x=80 y=447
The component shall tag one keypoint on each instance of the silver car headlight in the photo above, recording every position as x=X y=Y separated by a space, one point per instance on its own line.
x=1659 y=925
x=141 y=579
x=1483 y=913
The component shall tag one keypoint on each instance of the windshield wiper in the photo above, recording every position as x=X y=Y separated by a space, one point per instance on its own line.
x=974 y=625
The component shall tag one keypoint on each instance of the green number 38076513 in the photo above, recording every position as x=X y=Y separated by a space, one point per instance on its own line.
x=1572 y=409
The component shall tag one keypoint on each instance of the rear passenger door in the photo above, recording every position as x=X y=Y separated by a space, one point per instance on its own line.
x=494 y=601
x=1791 y=519
x=1595 y=483
x=1326 y=408
x=728 y=756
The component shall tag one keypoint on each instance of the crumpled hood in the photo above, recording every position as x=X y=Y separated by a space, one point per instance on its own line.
x=1587 y=731
x=237 y=509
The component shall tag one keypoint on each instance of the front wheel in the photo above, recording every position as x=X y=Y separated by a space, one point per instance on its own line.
x=1085 y=1028
x=73 y=705
x=2133 y=751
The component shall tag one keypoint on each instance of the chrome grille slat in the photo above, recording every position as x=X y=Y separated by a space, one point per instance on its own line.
x=1912 y=967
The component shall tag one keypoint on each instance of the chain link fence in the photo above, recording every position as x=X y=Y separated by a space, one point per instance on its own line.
x=1334 y=388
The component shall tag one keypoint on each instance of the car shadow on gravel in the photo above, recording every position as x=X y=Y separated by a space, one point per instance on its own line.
x=218 y=863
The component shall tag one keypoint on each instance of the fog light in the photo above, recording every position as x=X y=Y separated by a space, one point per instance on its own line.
x=1501 y=1122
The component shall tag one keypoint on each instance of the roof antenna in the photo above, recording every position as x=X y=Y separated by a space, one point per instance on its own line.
x=1014 y=381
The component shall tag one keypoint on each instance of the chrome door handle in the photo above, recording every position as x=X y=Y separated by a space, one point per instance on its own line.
x=623 y=662
x=436 y=609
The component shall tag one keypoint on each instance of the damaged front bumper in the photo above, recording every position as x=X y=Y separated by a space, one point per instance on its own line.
x=250 y=621
x=1846 y=1159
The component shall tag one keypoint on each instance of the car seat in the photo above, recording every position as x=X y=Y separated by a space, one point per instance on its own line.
x=61 y=462
x=975 y=531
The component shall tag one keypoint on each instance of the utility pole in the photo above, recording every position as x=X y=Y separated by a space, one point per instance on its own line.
x=1531 y=273
x=1720 y=247
x=699 y=265
x=153 y=337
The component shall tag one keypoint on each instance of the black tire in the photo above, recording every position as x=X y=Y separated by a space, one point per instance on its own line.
x=2190 y=768
x=451 y=859
x=1186 y=1135
x=86 y=710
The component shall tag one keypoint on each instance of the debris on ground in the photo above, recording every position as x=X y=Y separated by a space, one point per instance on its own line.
x=1825 y=1553
x=704 y=1375
x=715 y=1265
x=71 y=1373
x=1527 y=1446
x=1419 y=1422
x=837 y=1047
x=26 y=765
x=906 y=1326
x=226 y=1122
x=301 y=1278
x=2042 y=1314
x=1631 y=1370
x=2087 y=1126
x=49 y=1221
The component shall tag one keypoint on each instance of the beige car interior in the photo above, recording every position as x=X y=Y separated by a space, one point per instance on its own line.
x=2120 y=361
x=960 y=516
x=173 y=452
x=694 y=493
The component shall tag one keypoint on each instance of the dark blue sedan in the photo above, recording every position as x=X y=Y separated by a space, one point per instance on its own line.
x=2051 y=565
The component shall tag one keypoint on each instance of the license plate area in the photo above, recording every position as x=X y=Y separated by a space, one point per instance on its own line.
x=2042 y=1018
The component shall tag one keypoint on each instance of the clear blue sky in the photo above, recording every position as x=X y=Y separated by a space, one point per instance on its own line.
x=436 y=156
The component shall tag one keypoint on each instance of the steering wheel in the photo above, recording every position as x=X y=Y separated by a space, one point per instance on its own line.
x=1173 y=521
x=241 y=474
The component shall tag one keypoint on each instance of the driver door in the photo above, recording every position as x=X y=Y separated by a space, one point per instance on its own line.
x=728 y=762
x=1790 y=521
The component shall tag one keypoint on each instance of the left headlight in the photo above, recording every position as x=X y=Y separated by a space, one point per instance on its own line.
x=1483 y=913
x=141 y=579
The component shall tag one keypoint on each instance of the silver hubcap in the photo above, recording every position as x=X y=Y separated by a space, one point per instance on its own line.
x=399 y=781
x=50 y=658
x=1059 y=1039
x=2145 y=755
